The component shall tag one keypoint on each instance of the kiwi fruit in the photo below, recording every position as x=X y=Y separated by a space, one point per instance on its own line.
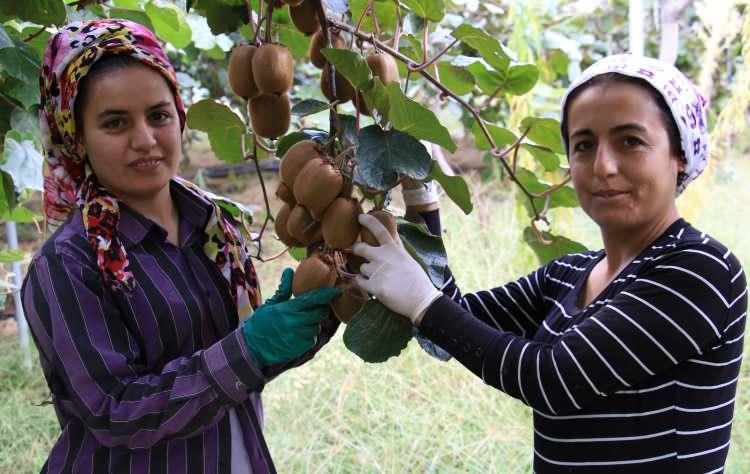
x=296 y=158
x=344 y=89
x=317 y=185
x=383 y=66
x=302 y=227
x=340 y=226
x=273 y=68
x=385 y=218
x=282 y=218
x=240 y=71
x=284 y=193
x=318 y=42
x=313 y=272
x=350 y=302
x=270 y=114
x=304 y=17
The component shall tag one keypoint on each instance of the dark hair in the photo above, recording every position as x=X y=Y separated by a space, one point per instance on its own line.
x=105 y=64
x=612 y=77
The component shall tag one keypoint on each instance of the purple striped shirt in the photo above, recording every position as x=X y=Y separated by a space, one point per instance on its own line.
x=145 y=382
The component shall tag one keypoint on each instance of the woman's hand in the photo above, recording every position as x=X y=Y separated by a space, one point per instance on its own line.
x=283 y=328
x=392 y=275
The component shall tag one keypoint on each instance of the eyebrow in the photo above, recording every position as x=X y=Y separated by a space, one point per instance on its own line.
x=108 y=112
x=614 y=130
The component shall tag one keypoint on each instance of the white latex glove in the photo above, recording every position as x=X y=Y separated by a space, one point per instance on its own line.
x=392 y=275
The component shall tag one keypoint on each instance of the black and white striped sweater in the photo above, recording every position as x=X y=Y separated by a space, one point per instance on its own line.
x=641 y=380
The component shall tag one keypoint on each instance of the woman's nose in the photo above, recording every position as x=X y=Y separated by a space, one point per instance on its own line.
x=143 y=136
x=605 y=163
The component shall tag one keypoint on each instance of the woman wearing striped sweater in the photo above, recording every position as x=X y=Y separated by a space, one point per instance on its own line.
x=630 y=355
x=134 y=302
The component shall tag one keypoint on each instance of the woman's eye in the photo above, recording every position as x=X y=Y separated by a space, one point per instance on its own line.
x=159 y=116
x=632 y=141
x=114 y=123
x=582 y=146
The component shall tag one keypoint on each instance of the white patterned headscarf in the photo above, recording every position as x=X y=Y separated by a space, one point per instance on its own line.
x=687 y=105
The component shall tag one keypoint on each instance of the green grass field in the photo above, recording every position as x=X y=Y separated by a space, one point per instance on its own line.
x=411 y=414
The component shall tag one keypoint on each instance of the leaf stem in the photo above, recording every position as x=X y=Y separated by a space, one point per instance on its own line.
x=35 y=34
x=426 y=64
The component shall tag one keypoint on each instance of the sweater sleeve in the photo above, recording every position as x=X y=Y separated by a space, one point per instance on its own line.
x=674 y=310
x=96 y=372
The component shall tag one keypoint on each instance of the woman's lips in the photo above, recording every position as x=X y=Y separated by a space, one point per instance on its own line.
x=609 y=193
x=146 y=164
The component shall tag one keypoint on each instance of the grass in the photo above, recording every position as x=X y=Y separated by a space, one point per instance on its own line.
x=412 y=413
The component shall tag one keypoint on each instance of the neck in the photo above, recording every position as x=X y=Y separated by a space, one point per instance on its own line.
x=160 y=208
x=623 y=245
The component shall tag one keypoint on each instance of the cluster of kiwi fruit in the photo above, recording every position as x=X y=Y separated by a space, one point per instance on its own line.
x=319 y=213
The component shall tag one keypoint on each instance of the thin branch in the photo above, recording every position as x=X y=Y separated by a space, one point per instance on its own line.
x=35 y=34
x=362 y=17
x=397 y=34
x=264 y=260
x=269 y=15
x=429 y=63
x=13 y=102
x=333 y=116
x=253 y=27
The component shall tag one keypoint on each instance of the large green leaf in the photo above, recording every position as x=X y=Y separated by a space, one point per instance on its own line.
x=548 y=158
x=224 y=128
x=10 y=256
x=27 y=93
x=500 y=135
x=376 y=333
x=487 y=46
x=222 y=16
x=563 y=197
x=290 y=139
x=5 y=41
x=41 y=12
x=560 y=246
x=456 y=78
x=309 y=106
x=376 y=98
x=489 y=81
x=383 y=155
x=455 y=187
x=418 y=121
x=433 y=10
x=20 y=61
x=521 y=79
x=21 y=215
x=297 y=42
x=426 y=248
x=132 y=14
x=545 y=132
x=170 y=24
x=350 y=64
x=385 y=11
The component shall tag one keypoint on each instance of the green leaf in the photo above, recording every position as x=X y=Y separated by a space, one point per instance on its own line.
x=170 y=24
x=298 y=253
x=21 y=215
x=560 y=246
x=5 y=41
x=290 y=139
x=20 y=61
x=426 y=248
x=309 y=107
x=41 y=12
x=27 y=93
x=376 y=333
x=10 y=256
x=501 y=136
x=27 y=123
x=458 y=79
x=137 y=16
x=384 y=10
x=39 y=42
x=297 y=42
x=418 y=121
x=490 y=82
x=563 y=197
x=8 y=197
x=521 y=79
x=545 y=132
x=22 y=161
x=350 y=64
x=433 y=10
x=455 y=187
x=382 y=156
x=487 y=46
x=548 y=158
x=222 y=16
x=376 y=98
x=223 y=126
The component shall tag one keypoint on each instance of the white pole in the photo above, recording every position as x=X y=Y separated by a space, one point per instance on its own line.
x=635 y=24
x=23 y=327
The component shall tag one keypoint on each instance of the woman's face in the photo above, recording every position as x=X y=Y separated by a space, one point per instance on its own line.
x=131 y=132
x=620 y=158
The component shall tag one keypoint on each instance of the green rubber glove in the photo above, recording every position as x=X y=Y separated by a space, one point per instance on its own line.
x=282 y=328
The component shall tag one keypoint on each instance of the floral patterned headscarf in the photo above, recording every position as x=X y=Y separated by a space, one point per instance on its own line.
x=69 y=182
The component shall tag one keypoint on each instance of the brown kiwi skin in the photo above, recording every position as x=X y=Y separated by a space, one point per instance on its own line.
x=240 y=71
x=350 y=302
x=383 y=66
x=317 y=185
x=340 y=225
x=285 y=193
x=302 y=227
x=295 y=158
x=313 y=272
x=387 y=219
x=318 y=42
x=280 y=223
x=270 y=114
x=344 y=89
x=304 y=17
x=273 y=69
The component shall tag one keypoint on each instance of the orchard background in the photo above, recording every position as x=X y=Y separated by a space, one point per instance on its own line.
x=479 y=80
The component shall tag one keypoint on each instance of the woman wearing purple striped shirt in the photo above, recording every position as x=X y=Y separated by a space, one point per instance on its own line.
x=629 y=356
x=134 y=302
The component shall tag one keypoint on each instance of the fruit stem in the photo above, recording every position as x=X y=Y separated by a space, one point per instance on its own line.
x=269 y=14
x=250 y=21
x=334 y=127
